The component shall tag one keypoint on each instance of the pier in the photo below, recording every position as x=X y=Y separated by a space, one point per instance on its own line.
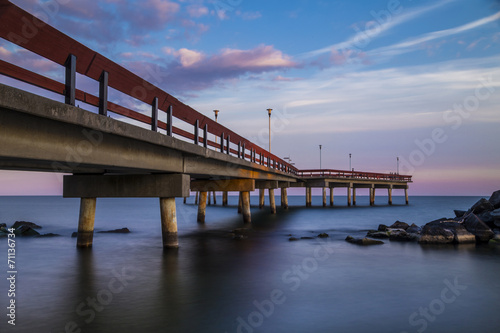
x=104 y=155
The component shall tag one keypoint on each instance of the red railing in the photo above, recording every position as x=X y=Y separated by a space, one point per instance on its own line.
x=352 y=175
x=25 y=30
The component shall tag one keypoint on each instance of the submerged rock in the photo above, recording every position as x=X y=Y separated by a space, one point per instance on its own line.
x=401 y=235
x=17 y=224
x=377 y=234
x=291 y=239
x=475 y=226
x=413 y=229
x=382 y=227
x=74 y=234
x=25 y=231
x=3 y=225
x=363 y=241
x=306 y=237
x=115 y=231
x=323 y=235
x=47 y=235
x=445 y=232
x=399 y=225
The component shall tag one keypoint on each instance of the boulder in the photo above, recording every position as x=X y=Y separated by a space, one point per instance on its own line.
x=495 y=240
x=475 y=226
x=47 y=235
x=413 y=229
x=363 y=241
x=399 y=225
x=496 y=217
x=481 y=206
x=434 y=233
x=401 y=235
x=495 y=199
x=3 y=225
x=115 y=231
x=17 y=224
x=25 y=230
x=74 y=234
x=323 y=235
x=459 y=213
x=382 y=227
x=291 y=239
x=377 y=234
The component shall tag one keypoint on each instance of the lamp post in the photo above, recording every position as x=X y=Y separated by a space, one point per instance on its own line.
x=269 y=112
x=397 y=161
x=216 y=112
x=320 y=157
x=350 y=161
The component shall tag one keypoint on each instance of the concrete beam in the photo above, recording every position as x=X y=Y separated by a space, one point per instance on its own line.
x=231 y=185
x=266 y=184
x=283 y=184
x=126 y=186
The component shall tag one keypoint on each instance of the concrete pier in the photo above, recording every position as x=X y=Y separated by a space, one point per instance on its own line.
x=284 y=195
x=406 y=195
x=308 y=197
x=272 y=202
x=389 y=194
x=245 y=199
x=86 y=222
x=196 y=198
x=168 y=223
x=261 y=197
x=372 y=196
x=215 y=198
x=224 y=198
x=324 y=197
x=202 y=207
x=349 y=196
x=240 y=203
x=354 y=196
x=331 y=196
x=209 y=199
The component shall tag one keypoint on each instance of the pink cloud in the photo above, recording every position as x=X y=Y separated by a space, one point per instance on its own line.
x=197 y=11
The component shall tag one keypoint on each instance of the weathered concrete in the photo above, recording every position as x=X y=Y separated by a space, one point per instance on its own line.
x=245 y=198
x=209 y=194
x=126 y=186
x=354 y=196
x=196 y=198
x=324 y=196
x=308 y=197
x=331 y=196
x=349 y=196
x=86 y=222
x=215 y=198
x=168 y=223
x=266 y=184
x=240 y=203
x=261 y=197
x=389 y=194
x=202 y=207
x=372 y=196
x=272 y=202
x=406 y=195
x=224 y=198
x=284 y=198
x=232 y=185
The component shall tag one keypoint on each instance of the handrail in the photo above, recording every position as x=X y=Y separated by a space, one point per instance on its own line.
x=27 y=31
x=353 y=175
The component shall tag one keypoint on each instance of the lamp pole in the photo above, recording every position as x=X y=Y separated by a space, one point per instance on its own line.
x=350 y=161
x=216 y=112
x=320 y=157
x=269 y=112
x=397 y=161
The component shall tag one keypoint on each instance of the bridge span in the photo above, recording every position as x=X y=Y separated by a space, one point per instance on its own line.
x=172 y=151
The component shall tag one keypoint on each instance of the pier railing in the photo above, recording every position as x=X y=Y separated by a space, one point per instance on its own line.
x=25 y=30
x=323 y=173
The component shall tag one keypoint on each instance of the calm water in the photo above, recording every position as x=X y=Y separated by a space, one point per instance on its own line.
x=264 y=283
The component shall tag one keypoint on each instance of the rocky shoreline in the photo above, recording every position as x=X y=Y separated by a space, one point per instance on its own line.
x=479 y=224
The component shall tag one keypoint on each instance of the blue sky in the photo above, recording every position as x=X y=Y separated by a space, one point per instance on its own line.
x=419 y=80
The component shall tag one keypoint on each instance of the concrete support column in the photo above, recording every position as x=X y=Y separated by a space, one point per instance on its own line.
x=331 y=196
x=245 y=199
x=240 y=204
x=389 y=193
x=406 y=195
x=209 y=199
x=196 y=198
x=224 y=198
x=348 y=196
x=185 y=198
x=215 y=198
x=324 y=197
x=308 y=197
x=261 y=197
x=168 y=223
x=354 y=196
x=284 y=193
x=282 y=198
x=272 y=203
x=372 y=196
x=202 y=207
x=86 y=222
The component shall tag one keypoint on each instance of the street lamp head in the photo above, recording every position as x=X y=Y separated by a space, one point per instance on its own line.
x=320 y=146
x=269 y=111
x=216 y=113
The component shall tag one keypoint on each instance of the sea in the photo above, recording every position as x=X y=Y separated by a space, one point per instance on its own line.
x=261 y=282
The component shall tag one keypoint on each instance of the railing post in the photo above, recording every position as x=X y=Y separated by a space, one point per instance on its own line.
x=154 y=115
x=243 y=151
x=222 y=142
x=196 y=132
x=70 y=86
x=239 y=149
x=103 y=94
x=228 y=141
x=169 y=121
x=205 y=138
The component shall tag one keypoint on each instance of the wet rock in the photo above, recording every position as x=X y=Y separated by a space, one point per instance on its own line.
x=363 y=241
x=323 y=235
x=401 y=235
x=3 y=225
x=495 y=240
x=481 y=206
x=291 y=239
x=495 y=199
x=445 y=232
x=496 y=217
x=377 y=234
x=26 y=231
x=239 y=236
x=306 y=237
x=475 y=226
x=48 y=235
x=74 y=234
x=399 y=225
x=413 y=229
x=115 y=231
x=460 y=213
x=382 y=227
x=32 y=225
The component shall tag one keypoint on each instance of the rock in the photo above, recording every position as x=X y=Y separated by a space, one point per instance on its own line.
x=239 y=236
x=413 y=229
x=401 y=235
x=306 y=237
x=495 y=240
x=496 y=217
x=382 y=227
x=399 y=225
x=25 y=230
x=242 y=231
x=481 y=206
x=377 y=234
x=3 y=225
x=48 y=235
x=446 y=231
x=116 y=231
x=495 y=199
x=363 y=241
x=74 y=234
x=475 y=226
x=460 y=213
x=291 y=239
x=17 y=224
x=323 y=235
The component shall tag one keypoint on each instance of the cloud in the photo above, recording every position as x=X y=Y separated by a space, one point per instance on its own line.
x=197 y=11
x=249 y=16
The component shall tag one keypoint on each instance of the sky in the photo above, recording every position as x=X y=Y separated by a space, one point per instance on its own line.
x=378 y=79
